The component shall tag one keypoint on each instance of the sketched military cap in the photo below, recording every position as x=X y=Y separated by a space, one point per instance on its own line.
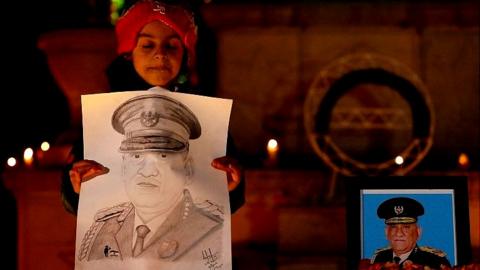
x=400 y=210
x=155 y=123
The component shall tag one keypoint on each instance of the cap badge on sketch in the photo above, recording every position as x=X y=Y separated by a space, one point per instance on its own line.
x=149 y=119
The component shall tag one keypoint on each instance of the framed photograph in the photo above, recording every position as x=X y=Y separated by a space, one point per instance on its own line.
x=437 y=205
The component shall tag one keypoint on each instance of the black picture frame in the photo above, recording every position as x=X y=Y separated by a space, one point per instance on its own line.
x=361 y=194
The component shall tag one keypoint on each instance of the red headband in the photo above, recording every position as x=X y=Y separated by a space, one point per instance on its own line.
x=146 y=11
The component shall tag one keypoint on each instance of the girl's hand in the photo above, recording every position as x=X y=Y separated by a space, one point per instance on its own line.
x=85 y=170
x=232 y=168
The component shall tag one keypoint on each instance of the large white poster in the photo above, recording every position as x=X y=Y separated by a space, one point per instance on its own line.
x=162 y=204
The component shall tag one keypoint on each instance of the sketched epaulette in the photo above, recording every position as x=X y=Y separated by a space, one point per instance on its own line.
x=120 y=211
x=211 y=210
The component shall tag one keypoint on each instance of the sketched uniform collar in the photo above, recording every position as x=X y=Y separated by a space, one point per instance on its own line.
x=111 y=235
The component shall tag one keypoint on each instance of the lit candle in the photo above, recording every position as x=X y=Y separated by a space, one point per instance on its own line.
x=272 y=150
x=41 y=153
x=28 y=157
x=45 y=146
x=399 y=160
x=11 y=162
x=463 y=161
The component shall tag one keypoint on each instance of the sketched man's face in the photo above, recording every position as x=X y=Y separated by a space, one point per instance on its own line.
x=402 y=237
x=154 y=179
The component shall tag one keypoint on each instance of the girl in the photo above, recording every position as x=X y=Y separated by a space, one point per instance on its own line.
x=156 y=46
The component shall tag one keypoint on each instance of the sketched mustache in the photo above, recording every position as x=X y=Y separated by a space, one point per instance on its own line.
x=146 y=183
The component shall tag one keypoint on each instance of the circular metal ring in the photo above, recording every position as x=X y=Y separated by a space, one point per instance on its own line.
x=339 y=77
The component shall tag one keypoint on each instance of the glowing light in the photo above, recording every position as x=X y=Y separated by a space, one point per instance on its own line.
x=272 y=145
x=45 y=146
x=28 y=156
x=11 y=162
x=463 y=160
x=272 y=151
x=28 y=153
x=399 y=160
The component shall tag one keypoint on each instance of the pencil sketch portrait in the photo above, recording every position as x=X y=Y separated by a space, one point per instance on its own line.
x=160 y=220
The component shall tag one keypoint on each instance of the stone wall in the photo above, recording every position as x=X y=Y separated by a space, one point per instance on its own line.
x=269 y=55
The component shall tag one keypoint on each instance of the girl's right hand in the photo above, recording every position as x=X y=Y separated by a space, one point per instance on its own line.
x=85 y=170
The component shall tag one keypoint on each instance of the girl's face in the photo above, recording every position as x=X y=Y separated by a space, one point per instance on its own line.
x=158 y=55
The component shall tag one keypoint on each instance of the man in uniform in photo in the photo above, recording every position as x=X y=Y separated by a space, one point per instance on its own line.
x=402 y=232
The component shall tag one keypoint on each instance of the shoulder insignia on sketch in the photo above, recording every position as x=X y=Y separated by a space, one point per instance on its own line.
x=211 y=209
x=433 y=251
x=120 y=211
x=377 y=251
x=87 y=240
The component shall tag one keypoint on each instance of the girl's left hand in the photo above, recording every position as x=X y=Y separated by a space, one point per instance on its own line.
x=232 y=168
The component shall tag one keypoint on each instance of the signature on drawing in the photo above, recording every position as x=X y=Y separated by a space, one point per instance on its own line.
x=211 y=259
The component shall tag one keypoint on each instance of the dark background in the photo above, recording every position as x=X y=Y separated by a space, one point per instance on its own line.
x=33 y=108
